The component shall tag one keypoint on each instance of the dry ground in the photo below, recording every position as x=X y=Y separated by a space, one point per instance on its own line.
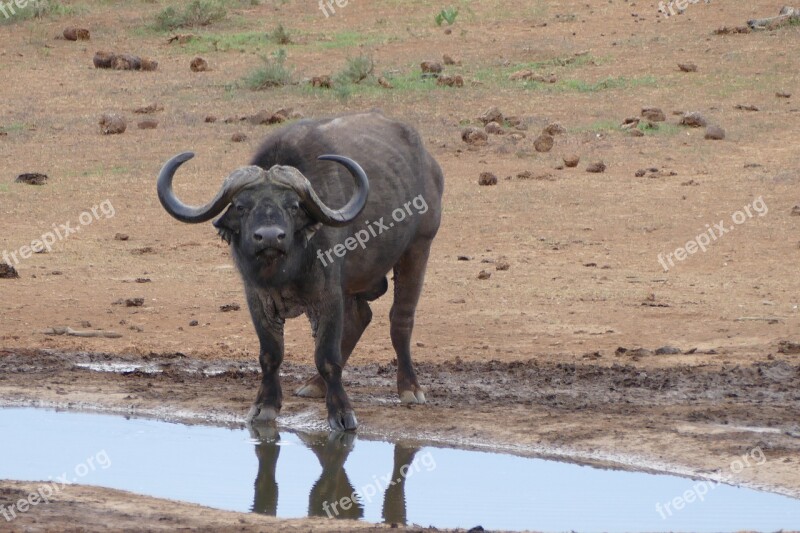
x=526 y=360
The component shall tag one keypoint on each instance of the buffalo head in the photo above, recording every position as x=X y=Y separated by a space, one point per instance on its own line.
x=271 y=214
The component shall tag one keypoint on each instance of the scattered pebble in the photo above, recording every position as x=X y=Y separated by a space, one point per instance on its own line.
x=238 y=137
x=148 y=109
x=229 y=307
x=502 y=265
x=783 y=94
x=543 y=143
x=134 y=302
x=447 y=80
x=747 y=107
x=194 y=323
x=210 y=119
x=687 y=67
x=653 y=114
x=796 y=211
x=668 y=350
x=492 y=114
x=76 y=34
x=8 y=272
x=386 y=84
x=121 y=237
x=484 y=274
x=147 y=124
x=198 y=64
x=554 y=128
x=693 y=119
x=494 y=128
x=472 y=135
x=431 y=67
x=572 y=160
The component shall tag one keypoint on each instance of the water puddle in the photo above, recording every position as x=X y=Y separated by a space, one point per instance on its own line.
x=316 y=474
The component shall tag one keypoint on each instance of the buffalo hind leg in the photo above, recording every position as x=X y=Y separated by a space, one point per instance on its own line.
x=357 y=316
x=409 y=275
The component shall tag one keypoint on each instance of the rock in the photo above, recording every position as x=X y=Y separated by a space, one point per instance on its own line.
x=502 y=265
x=687 y=67
x=147 y=124
x=112 y=124
x=198 y=64
x=693 y=119
x=484 y=275
x=151 y=108
x=322 y=82
x=715 y=133
x=76 y=34
x=181 y=38
x=386 y=84
x=134 y=302
x=795 y=211
x=238 y=137
x=668 y=350
x=448 y=60
x=636 y=132
x=783 y=94
x=149 y=64
x=121 y=237
x=641 y=172
x=260 y=118
x=210 y=119
x=494 y=128
x=524 y=74
x=431 y=67
x=596 y=167
x=8 y=272
x=653 y=114
x=630 y=122
x=32 y=178
x=103 y=59
x=492 y=114
x=554 y=129
x=229 y=307
x=571 y=161
x=126 y=62
x=746 y=107
x=487 y=178
x=450 y=81
x=472 y=135
x=543 y=143
x=194 y=323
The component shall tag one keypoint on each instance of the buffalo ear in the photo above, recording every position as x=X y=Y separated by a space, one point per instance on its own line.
x=228 y=225
x=310 y=230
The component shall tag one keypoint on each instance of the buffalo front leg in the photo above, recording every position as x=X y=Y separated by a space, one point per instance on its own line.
x=269 y=327
x=409 y=274
x=328 y=358
x=357 y=316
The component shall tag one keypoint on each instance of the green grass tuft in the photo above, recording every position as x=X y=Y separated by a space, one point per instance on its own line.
x=274 y=73
x=447 y=14
x=195 y=14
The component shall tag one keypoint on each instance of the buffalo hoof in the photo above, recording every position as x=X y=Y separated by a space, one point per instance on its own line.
x=312 y=389
x=343 y=421
x=260 y=414
x=409 y=397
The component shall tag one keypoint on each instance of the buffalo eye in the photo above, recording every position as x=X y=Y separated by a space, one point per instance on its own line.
x=294 y=208
x=240 y=208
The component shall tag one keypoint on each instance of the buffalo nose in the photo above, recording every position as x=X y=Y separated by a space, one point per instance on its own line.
x=268 y=235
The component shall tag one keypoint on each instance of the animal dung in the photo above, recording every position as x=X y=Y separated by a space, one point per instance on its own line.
x=76 y=34
x=198 y=64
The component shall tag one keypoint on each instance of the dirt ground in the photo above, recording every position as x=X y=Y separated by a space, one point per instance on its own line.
x=554 y=355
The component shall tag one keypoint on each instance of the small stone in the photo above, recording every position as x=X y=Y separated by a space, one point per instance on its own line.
x=596 y=167
x=796 y=211
x=238 y=137
x=112 y=124
x=687 y=67
x=693 y=119
x=149 y=64
x=121 y=237
x=572 y=160
x=543 y=143
x=134 y=302
x=554 y=129
x=147 y=124
x=103 y=59
x=76 y=34
x=783 y=94
x=487 y=178
x=653 y=114
x=494 y=128
x=472 y=135
x=150 y=108
x=194 y=323
x=668 y=350
x=431 y=67
x=450 y=81
x=448 y=60
x=198 y=64
x=715 y=133
x=641 y=172
x=210 y=119
x=492 y=114
x=32 y=178
x=484 y=274
x=636 y=132
x=386 y=84
x=229 y=307
x=502 y=265
x=8 y=272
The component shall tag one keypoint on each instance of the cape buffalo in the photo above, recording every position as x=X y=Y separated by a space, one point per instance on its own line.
x=297 y=255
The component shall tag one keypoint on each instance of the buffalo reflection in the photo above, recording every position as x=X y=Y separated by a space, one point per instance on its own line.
x=332 y=494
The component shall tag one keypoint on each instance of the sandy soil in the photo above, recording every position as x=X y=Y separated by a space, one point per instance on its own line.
x=526 y=361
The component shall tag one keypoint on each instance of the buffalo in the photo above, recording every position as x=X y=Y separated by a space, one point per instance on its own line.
x=297 y=255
